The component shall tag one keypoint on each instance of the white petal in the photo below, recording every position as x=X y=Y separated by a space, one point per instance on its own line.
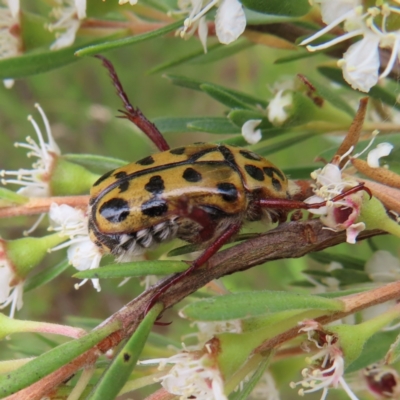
x=6 y=276
x=332 y=10
x=203 y=32
x=381 y=150
x=83 y=255
x=8 y=83
x=352 y=232
x=67 y=38
x=80 y=8
x=383 y=267
x=360 y=63
x=249 y=133
x=13 y=5
x=277 y=108
x=230 y=21
x=329 y=175
x=315 y=200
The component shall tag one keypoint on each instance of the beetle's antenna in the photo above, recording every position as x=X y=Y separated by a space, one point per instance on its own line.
x=134 y=114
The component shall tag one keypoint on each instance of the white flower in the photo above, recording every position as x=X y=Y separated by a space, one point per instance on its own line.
x=230 y=20
x=82 y=253
x=131 y=2
x=361 y=61
x=250 y=134
x=342 y=214
x=277 y=108
x=381 y=150
x=383 y=267
x=35 y=181
x=326 y=366
x=11 y=287
x=207 y=330
x=68 y=14
x=192 y=376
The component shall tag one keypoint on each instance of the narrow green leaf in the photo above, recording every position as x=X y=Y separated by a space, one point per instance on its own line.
x=45 y=276
x=95 y=161
x=278 y=7
x=174 y=125
x=350 y=276
x=36 y=63
x=223 y=96
x=376 y=92
x=295 y=56
x=239 y=117
x=249 y=384
x=325 y=257
x=316 y=273
x=31 y=372
x=182 y=59
x=251 y=304
x=12 y=197
x=118 y=372
x=115 y=44
x=374 y=350
x=130 y=269
x=195 y=85
x=223 y=51
x=214 y=125
x=266 y=150
x=393 y=355
x=299 y=172
x=328 y=94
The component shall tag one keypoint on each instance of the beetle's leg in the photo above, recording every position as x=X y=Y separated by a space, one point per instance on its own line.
x=134 y=114
x=201 y=260
x=287 y=204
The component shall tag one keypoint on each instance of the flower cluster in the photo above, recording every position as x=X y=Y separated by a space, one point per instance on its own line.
x=326 y=365
x=361 y=63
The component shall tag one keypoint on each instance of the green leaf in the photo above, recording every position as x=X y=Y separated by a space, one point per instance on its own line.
x=374 y=350
x=45 y=276
x=393 y=354
x=220 y=52
x=174 y=125
x=36 y=63
x=250 y=384
x=350 y=276
x=376 y=92
x=45 y=364
x=130 y=269
x=266 y=150
x=115 y=376
x=278 y=7
x=325 y=257
x=115 y=44
x=195 y=85
x=299 y=172
x=223 y=96
x=239 y=117
x=214 y=125
x=329 y=94
x=102 y=163
x=251 y=304
x=11 y=197
x=295 y=56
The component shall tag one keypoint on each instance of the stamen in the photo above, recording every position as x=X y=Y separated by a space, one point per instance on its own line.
x=337 y=40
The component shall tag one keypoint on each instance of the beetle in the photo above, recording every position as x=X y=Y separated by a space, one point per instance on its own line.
x=201 y=193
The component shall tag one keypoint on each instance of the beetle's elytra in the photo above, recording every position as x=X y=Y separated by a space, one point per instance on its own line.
x=139 y=205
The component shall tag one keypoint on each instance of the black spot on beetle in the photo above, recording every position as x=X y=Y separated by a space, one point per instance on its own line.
x=146 y=161
x=255 y=172
x=276 y=184
x=127 y=357
x=155 y=185
x=250 y=155
x=103 y=177
x=115 y=210
x=154 y=207
x=120 y=174
x=228 y=191
x=191 y=175
x=178 y=151
x=123 y=187
x=270 y=171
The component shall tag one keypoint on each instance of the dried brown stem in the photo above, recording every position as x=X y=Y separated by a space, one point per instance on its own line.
x=289 y=240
